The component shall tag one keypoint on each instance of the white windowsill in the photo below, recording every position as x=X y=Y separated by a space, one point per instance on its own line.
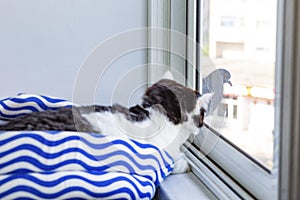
x=183 y=186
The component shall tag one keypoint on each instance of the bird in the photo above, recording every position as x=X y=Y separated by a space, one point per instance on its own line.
x=213 y=83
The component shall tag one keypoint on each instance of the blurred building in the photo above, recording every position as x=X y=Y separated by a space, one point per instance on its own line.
x=242 y=29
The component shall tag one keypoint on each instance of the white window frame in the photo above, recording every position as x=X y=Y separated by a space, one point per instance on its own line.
x=170 y=41
x=158 y=38
x=227 y=171
x=289 y=157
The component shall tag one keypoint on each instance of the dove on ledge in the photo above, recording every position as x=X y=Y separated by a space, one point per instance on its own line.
x=213 y=83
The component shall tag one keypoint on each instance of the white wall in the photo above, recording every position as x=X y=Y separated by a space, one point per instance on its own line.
x=43 y=44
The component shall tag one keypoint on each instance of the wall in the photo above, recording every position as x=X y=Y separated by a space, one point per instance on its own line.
x=44 y=43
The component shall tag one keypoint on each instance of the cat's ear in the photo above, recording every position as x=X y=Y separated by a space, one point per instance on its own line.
x=204 y=100
x=168 y=75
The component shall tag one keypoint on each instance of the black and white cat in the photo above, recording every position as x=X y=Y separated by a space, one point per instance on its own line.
x=169 y=113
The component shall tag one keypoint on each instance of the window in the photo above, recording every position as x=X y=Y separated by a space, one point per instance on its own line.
x=252 y=73
x=237 y=144
x=231 y=21
x=225 y=166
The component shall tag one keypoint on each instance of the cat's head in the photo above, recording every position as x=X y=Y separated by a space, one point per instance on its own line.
x=179 y=103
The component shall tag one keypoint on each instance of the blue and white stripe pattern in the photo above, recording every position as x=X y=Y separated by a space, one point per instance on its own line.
x=75 y=184
x=26 y=103
x=68 y=165
x=92 y=159
x=39 y=151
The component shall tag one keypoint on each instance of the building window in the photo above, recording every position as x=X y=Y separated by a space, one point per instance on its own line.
x=231 y=21
x=264 y=24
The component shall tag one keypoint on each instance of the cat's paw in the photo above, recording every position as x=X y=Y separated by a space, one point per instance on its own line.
x=181 y=165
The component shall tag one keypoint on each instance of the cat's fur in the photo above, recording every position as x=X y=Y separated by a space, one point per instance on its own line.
x=169 y=113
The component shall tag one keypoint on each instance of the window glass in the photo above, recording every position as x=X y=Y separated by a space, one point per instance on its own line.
x=240 y=36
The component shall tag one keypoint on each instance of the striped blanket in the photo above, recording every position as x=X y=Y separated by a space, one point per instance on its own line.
x=68 y=165
x=26 y=103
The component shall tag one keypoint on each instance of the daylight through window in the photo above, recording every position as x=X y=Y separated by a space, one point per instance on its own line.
x=240 y=36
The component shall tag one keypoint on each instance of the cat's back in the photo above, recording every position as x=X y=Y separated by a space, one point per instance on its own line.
x=62 y=119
